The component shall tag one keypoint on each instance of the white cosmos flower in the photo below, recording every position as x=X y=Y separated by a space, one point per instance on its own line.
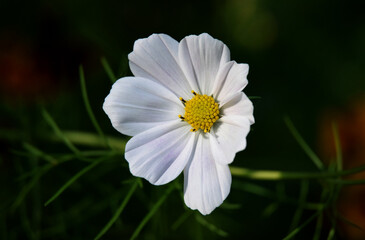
x=186 y=112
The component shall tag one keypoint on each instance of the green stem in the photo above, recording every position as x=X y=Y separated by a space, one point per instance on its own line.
x=282 y=175
x=117 y=143
x=108 y=70
x=303 y=144
x=152 y=211
x=119 y=210
x=93 y=140
x=88 y=106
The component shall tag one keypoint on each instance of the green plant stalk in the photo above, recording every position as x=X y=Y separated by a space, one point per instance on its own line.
x=318 y=228
x=331 y=234
x=282 y=175
x=304 y=186
x=298 y=229
x=181 y=220
x=200 y=219
x=303 y=144
x=29 y=186
x=72 y=180
x=32 y=149
x=108 y=70
x=152 y=211
x=91 y=139
x=58 y=132
x=88 y=106
x=119 y=210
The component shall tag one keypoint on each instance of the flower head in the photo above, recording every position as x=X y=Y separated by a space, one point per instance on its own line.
x=186 y=112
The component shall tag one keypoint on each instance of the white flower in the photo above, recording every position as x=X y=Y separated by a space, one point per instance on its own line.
x=186 y=112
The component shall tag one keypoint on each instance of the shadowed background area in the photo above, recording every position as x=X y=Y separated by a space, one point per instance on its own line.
x=306 y=61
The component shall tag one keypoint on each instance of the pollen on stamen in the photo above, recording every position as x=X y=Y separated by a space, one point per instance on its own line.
x=201 y=112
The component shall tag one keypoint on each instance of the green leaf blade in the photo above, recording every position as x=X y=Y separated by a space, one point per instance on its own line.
x=303 y=144
x=152 y=211
x=71 y=181
x=88 y=106
x=119 y=210
x=108 y=70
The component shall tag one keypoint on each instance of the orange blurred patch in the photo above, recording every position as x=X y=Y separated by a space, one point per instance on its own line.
x=23 y=74
x=351 y=127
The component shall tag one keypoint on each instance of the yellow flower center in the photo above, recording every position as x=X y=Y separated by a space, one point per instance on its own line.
x=201 y=112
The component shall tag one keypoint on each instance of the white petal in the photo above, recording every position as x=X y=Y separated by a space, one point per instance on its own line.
x=161 y=153
x=230 y=134
x=238 y=104
x=200 y=58
x=136 y=104
x=231 y=130
x=206 y=182
x=231 y=79
x=156 y=58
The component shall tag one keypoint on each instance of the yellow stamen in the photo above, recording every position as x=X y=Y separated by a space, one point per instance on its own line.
x=201 y=112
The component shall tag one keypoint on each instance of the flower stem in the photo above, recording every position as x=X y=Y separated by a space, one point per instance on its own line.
x=282 y=175
x=272 y=175
x=94 y=140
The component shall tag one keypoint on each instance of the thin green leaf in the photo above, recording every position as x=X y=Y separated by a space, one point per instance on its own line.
x=337 y=146
x=347 y=182
x=140 y=183
x=230 y=206
x=91 y=153
x=12 y=134
x=352 y=224
x=119 y=210
x=280 y=191
x=88 y=107
x=72 y=180
x=270 y=209
x=181 y=220
x=318 y=229
x=129 y=181
x=304 y=186
x=331 y=234
x=152 y=211
x=32 y=149
x=303 y=144
x=325 y=198
x=93 y=140
x=298 y=229
x=280 y=196
x=58 y=132
x=273 y=175
x=254 y=97
x=253 y=188
x=210 y=226
x=26 y=224
x=108 y=70
x=20 y=153
x=37 y=170
x=28 y=187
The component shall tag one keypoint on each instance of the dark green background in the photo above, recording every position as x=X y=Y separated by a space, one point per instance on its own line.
x=305 y=58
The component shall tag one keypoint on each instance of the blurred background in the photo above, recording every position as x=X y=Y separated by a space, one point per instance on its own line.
x=307 y=61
